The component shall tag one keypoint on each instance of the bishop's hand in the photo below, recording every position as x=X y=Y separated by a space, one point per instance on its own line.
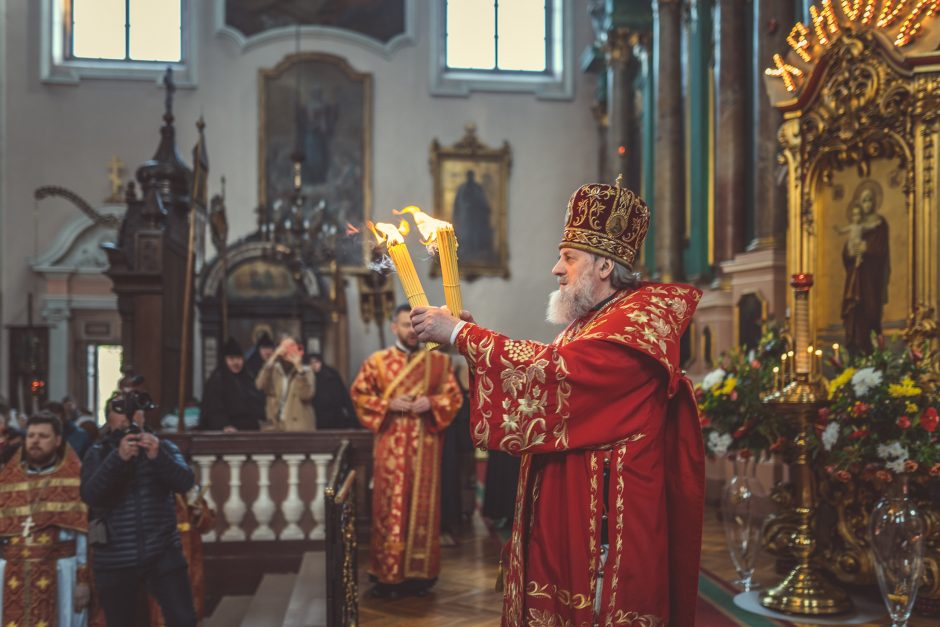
x=433 y=324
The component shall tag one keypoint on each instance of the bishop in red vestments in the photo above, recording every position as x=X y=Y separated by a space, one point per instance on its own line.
x=608 y=522
x=407 y=396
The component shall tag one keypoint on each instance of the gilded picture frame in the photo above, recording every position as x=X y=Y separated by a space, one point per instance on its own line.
x=471 y=182
x=861 y=203
x=333 y=113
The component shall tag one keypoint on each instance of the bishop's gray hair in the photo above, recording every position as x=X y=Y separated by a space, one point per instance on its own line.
x=621 y=277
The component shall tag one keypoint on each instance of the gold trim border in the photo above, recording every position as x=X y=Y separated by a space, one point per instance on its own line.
x=470 y=149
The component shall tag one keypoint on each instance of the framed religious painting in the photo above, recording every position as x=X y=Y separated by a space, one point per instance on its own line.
x=318 y=104
x=864 y=274
x=471 y=184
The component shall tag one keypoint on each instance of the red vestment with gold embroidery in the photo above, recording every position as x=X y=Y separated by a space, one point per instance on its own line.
x=406 y=509
x=34 y=507
x=607 y=393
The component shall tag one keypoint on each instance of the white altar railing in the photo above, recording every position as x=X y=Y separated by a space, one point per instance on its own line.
x=265 y=487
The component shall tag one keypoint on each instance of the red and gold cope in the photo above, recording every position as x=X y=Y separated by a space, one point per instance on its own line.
x=607 y=394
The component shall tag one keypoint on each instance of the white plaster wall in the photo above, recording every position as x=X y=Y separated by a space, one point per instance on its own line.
x=66 y=135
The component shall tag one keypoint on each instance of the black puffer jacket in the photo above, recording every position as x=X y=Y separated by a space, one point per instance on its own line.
x=135 y=500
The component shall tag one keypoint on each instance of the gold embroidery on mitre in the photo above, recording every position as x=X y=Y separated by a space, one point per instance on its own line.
x=619 y=218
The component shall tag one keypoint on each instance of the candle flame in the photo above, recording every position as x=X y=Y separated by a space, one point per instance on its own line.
x=426 y=224
x=385 y=232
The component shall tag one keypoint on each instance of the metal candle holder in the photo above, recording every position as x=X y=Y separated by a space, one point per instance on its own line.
x=804 y=590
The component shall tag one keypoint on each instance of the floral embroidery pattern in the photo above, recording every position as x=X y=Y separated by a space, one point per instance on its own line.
x=551 y=591
x=594 y=513
x=635 y=619
x=545 y=618
x=524 y=419
x=618 y=536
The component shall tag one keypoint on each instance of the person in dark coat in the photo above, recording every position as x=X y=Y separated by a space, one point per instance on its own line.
x=331 y=402
x=231 y=402
x=456 y=467
x=128 y=481
x=259 y=355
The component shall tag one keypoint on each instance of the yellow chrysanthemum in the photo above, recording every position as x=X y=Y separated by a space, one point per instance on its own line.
x=911 y=408
x=841 y=380
x=904 y=389
x=727 y=387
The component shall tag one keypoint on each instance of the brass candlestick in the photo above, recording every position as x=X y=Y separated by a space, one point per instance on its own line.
x=804 y=590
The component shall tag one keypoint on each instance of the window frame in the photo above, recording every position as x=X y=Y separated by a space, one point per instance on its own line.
x=58 y=67
x=550 y=45
x=556 y=82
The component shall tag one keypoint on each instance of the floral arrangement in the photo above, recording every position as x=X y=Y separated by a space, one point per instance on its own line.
x=881 y=419
x=735 y=422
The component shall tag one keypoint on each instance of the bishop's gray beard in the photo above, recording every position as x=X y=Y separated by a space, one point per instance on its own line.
x=564 y=307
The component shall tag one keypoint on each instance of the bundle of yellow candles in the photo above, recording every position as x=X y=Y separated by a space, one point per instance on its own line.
x=440 y=234
x=405 y=267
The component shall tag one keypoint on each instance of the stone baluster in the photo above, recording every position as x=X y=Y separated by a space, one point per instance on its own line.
x=234 y=507
x=263 y=507
x=292 y=506
x=205 y=467
x=318 y=504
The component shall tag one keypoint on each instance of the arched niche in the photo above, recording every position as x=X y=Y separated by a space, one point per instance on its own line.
x=265 y=292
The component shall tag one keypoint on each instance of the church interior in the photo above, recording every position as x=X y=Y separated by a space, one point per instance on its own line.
x=188 y=184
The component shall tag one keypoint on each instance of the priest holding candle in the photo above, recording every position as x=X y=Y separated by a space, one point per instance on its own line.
x=407 y=395
x=608 y=521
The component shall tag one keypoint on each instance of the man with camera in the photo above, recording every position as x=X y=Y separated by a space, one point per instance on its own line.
x=129 y=478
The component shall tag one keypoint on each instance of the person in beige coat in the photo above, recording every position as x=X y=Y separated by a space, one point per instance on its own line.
x=289 y=387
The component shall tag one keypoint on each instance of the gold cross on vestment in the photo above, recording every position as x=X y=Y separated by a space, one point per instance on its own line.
x=27 y=526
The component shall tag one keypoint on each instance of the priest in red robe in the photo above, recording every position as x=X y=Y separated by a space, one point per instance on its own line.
x=407 y=396
x=608 y=522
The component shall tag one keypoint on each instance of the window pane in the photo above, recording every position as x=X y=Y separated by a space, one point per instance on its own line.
x=109 y=373
x=522 y=35
x=155 y=30
x=98 y=29
x=471 y=29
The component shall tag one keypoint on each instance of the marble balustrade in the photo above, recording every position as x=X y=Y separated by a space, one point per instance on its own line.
x=270 y=487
